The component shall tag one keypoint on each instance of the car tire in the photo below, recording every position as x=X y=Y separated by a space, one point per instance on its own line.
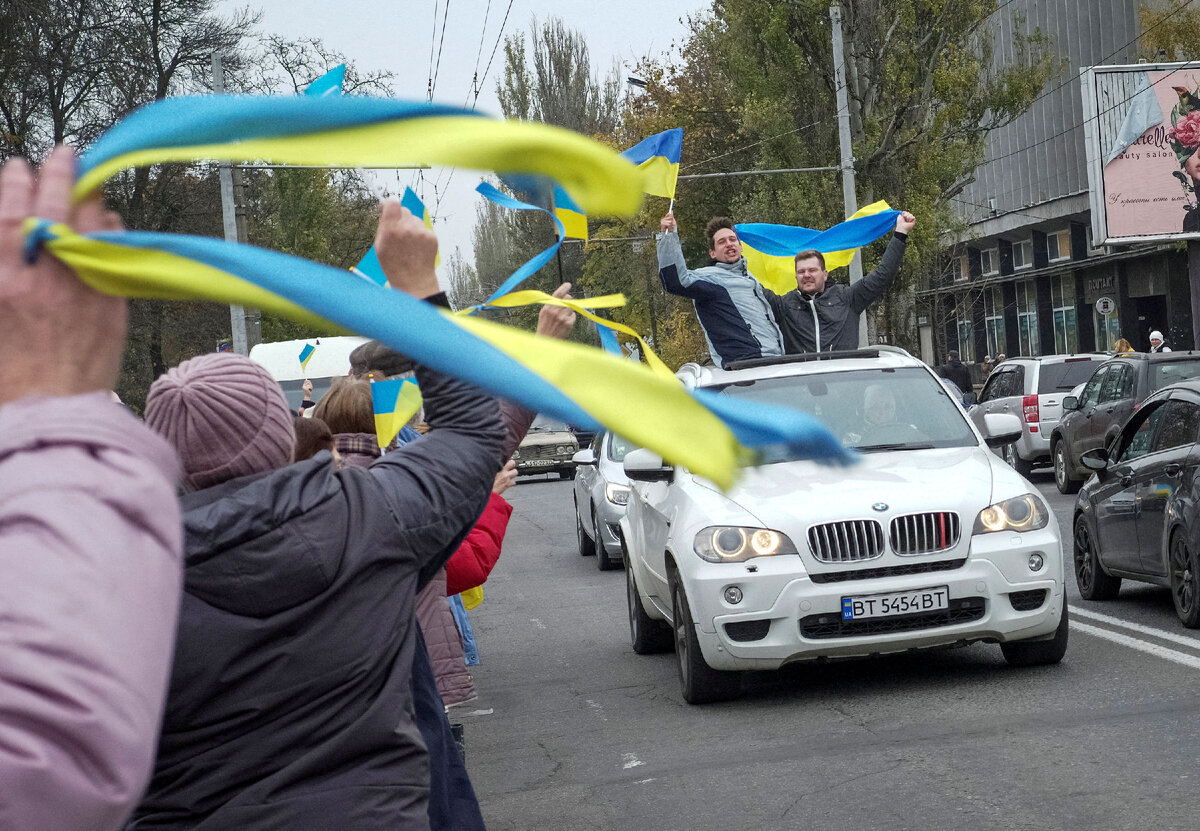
x=648 y=636
x=1185 y=580
x=1040 y=653
x=604 y=561
x=1014 y=460
x=1093 y=581
x=1062 y=469
x=567 y=474
x=699 y=683
x=587 y=546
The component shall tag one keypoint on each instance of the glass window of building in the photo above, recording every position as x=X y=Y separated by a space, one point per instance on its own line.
x=1107 y=328
x=1023 y=254
x=1058 y=246
x=1062 y=300
x=1027 y=324
x=990 y=258
x=966 y=340
x=963 y=270
x=993 y=311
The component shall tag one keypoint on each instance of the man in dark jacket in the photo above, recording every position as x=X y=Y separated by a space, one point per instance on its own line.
x=956 y=371
x=291 y=703
x=821 y=317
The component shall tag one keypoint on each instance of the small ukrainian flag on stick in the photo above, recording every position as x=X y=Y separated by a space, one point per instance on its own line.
x=306 y=355
x=394 y=402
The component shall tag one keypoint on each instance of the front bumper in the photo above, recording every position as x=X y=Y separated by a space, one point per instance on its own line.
x=532 y=466
x=608 y=516
x=787 y=605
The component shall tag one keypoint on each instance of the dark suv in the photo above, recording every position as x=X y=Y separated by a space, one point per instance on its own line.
x=1110 y=396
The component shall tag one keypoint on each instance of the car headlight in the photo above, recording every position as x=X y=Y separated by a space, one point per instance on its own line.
x=616 y=494
x=1021 y=513
x=733 y=544
x=564 y=448
x=516 y=454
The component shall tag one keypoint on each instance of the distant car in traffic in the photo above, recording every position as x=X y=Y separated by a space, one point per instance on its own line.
x=601 y=493
x=1138 y=518
x=547 y=448
x=1094 y=417
x=1032 y=389
x=930 y=540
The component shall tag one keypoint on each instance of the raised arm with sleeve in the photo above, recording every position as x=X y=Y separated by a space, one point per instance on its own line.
x=871 y=287
x=90 y=542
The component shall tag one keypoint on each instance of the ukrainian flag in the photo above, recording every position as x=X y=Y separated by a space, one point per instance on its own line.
x=369 y=266
x=770 y=250
x=658 y=158
x=573 y=218
x=306 y=355
x=413 y=202
x=328 y=84
x=394 y=403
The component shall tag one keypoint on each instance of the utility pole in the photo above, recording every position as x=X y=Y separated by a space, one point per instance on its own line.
x=849 y=198
x=246 y=324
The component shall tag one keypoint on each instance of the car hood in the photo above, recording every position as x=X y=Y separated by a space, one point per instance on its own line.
x=960 y=479
x=541 y=439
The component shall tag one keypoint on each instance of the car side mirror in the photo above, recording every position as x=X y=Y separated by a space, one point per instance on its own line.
x=1070 y=403
x=584 y=457
x=1095 y=459
x=969 y=398
x=1000 y=429
x=644 y=465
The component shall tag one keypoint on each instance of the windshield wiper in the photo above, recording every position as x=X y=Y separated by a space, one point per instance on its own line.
x=868 y=448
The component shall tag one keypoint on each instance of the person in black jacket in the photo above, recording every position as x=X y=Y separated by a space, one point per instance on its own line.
x=291 y=697
x=956 y=371
x=818 y=316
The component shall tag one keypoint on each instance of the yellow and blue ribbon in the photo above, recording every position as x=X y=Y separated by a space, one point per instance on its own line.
x=535 y=263
x=569 y=213
x=328 y=84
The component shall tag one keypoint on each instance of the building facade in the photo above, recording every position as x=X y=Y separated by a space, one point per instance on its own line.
x=1026 y=278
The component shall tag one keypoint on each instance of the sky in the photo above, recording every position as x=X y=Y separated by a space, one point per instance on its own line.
x=400 y=37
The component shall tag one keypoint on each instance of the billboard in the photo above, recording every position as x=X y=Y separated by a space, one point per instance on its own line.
x=1142 y=134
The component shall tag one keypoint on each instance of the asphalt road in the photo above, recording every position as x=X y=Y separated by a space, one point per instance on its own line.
x=571 y=730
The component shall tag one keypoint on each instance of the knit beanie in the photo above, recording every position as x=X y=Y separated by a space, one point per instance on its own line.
x=225 y=416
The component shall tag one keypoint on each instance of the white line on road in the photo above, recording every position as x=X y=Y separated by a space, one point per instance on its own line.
x=630 y=760
x=537 y=623
x=1140 y=645
x=1182 y=640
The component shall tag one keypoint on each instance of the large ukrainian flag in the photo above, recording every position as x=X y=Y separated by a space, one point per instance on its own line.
x=658 y=158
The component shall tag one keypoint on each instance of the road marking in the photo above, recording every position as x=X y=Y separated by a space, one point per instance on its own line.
x=1182 y=640
x=597 y=709
x=1140 y=645
x=630 y=761
x=537 y=623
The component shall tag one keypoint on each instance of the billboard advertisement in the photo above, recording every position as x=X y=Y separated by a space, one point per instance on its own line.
x=1142 y=126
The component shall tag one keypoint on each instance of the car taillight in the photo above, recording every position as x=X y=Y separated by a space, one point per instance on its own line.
x=1029 y=410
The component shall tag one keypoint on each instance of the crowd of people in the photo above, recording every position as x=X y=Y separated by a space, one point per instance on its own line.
x=228 y=616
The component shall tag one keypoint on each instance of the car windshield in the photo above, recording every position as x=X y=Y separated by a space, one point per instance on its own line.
x=618 y=447
x=545 y=424
x=1067 y=375
x=1165 y=373
x=872 y=410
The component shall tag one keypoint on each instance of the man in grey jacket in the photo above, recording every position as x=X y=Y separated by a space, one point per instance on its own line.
x=818 y=316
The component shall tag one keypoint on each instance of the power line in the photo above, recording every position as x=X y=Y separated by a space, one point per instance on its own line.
x=748 y=146
x=441 y=42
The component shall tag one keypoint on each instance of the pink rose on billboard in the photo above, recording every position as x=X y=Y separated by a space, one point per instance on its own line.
x=1187 y=130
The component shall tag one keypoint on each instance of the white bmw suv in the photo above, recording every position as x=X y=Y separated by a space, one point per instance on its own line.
x=929 y=540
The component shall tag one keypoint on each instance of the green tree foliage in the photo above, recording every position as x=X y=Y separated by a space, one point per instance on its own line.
x=1170 y=30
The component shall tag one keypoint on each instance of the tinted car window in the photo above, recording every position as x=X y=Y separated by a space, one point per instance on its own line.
x=1169 y=372
x=618 y=447
x=1129 y=382
x=1064 y=377
x=988 y=393
x=1180 y=424
x=1114 y=382
x=1091 y=392
x=1016 y=380
x=1137 y=442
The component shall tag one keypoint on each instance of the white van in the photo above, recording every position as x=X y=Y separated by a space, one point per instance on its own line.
x=330 y=360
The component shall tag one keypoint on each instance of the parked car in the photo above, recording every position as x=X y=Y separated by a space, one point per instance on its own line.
x=929 y=540
x=1094 y=417
x=1137 y=518
x=601 y=493
x=955 y=393
x=547 y=448
x=1032 y=389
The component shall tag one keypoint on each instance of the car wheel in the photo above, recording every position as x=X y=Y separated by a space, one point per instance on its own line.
x=649 y=636
x=1039 y=653
x=1062 y=470
x=587 y=547
x=604 y=561
x=1014 y=460
x=1185 y=581
x=700 y=683
x=1093 y=582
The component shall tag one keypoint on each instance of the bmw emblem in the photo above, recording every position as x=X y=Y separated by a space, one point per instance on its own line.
x=879 y=506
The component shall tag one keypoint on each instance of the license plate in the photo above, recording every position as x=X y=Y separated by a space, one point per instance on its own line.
x=895 y=603
x=538 y=463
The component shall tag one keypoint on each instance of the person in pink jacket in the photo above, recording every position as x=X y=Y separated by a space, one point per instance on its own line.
x=90 y=535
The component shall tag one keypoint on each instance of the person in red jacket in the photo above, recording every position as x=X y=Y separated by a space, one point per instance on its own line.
x=474 y=560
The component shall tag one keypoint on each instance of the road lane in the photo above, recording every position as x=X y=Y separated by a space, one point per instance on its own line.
x=577 y=732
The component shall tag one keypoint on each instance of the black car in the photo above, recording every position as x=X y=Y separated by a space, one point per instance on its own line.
x=1113 y=392
x=1137 y=518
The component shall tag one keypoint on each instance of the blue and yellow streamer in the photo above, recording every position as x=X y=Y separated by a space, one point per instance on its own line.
x=328 y=84
x=573 y=218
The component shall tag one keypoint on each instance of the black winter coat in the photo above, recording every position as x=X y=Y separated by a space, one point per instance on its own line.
x=291 y=699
